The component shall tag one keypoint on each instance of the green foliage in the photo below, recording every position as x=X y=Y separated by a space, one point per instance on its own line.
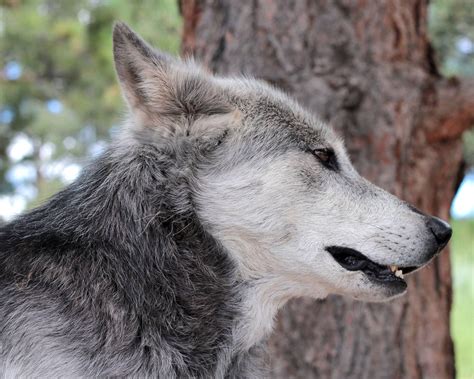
x=452 y=35
x=462 y=315
x=452 y=32
x=64 y=51
x=468 y=147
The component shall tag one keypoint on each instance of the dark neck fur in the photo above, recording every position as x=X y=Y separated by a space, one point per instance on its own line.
x=122 y=251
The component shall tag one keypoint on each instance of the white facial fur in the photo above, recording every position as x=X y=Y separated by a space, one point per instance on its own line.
x=276 y=215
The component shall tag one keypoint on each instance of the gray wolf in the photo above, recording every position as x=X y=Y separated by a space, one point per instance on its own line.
x=169 y=257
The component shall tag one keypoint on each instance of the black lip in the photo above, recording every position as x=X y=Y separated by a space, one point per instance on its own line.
x=353 y=260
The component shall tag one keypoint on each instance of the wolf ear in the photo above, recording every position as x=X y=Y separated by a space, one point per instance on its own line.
x=156 y=85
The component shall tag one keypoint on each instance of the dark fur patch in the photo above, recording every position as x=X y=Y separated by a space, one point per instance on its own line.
x=121 y=259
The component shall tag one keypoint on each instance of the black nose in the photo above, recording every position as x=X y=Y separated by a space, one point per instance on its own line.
x=441 y=230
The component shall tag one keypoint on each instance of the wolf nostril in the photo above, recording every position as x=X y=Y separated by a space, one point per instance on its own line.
x=441 y=230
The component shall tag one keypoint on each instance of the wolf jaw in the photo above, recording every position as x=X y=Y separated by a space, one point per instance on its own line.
x=171 y=254
x=353 y=260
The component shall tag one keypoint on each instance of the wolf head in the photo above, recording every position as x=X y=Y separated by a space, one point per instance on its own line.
x=271 y=182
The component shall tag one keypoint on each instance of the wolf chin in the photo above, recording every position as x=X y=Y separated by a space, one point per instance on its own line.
x=170 y=255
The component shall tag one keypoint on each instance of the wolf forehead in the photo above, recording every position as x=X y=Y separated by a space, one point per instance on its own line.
x=266 y=107
x=257 y=110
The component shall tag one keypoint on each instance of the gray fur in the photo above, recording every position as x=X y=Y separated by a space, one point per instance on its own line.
x=171 y=254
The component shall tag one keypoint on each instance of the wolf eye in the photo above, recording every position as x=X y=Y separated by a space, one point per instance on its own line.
x=327 y=157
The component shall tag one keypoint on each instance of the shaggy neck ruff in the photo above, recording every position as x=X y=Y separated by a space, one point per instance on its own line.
x=140 y=205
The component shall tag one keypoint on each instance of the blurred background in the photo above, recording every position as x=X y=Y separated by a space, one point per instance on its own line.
x=60 y=104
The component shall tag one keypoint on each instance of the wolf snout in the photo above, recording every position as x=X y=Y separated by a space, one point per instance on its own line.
x=441 y=230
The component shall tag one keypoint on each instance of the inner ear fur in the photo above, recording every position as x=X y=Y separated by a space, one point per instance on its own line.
x=156 y=85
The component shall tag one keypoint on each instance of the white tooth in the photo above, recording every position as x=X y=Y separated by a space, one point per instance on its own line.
x=399 y=274
x=393 y=268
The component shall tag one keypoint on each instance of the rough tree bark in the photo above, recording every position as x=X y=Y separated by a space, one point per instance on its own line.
x=367 y=68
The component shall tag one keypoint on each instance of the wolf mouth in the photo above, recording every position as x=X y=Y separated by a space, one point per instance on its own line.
x=353 y=260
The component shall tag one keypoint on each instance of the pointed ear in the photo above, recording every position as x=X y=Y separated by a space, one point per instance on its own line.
x=156 y=85
x=137 y=66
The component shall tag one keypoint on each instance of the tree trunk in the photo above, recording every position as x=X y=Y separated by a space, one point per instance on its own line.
x=366 y=67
